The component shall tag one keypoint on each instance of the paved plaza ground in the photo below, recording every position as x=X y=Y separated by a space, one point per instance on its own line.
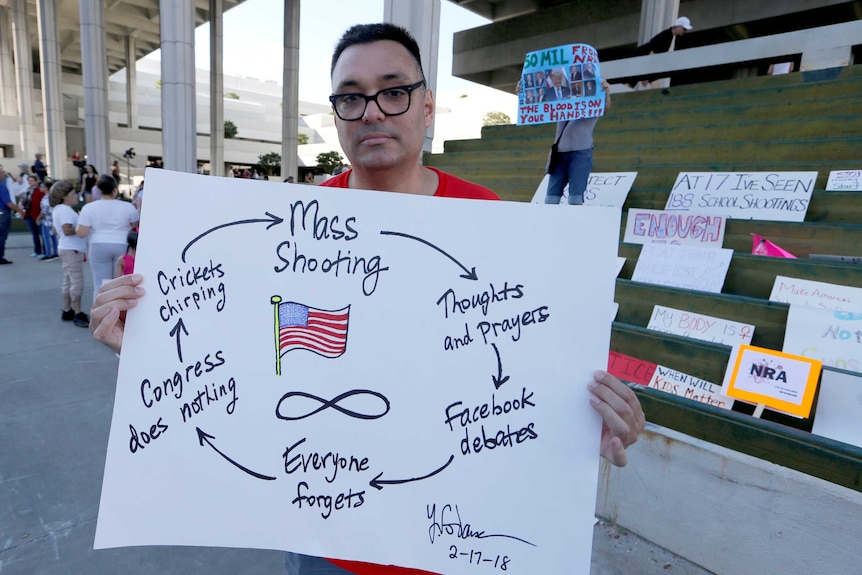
x=56 y=399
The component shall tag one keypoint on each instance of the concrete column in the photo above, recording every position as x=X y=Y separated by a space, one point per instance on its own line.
x=290 y=91
x=216 y=89
x=52 y=92
x=179 y=117
x=656 y=15
x=131 y=82
x=422 y=19
x=8 y=103
x=94 y=64
x=23 y=79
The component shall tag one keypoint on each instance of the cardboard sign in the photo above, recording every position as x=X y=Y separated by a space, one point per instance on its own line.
x=678 y=383
x=318 y=361
x=839 y=407
x=778 y=196
x=778 y=380
x=631 y=369
x=603 y=189
x=844 y=181
x=661 y=227
x=699 y=326
x=683 y=266
x=809 y=293
x=559 y=84
x=833 y=337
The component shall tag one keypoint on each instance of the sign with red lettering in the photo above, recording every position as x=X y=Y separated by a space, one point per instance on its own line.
x=844 y=181
x=684 y=385
x=661 y=227
x=559 y=84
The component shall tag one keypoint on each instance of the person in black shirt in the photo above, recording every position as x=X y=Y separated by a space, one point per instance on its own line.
x=660 y=43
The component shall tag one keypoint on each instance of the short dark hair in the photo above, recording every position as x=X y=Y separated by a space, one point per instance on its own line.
x=368 y=33
x=106 y=184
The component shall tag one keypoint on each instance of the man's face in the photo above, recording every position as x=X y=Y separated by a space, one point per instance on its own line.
x=678 y=31
x=377 y=141
x=557 y=79
x=32 y=181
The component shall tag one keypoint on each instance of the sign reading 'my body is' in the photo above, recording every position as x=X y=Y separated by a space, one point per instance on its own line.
x=779 y=196
x=560 y=84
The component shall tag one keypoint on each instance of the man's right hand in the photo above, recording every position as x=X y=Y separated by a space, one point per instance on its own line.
x=108 y=316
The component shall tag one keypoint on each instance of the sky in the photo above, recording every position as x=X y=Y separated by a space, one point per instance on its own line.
x=253 y=34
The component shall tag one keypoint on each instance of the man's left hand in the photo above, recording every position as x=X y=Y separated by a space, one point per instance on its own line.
x=622 y=417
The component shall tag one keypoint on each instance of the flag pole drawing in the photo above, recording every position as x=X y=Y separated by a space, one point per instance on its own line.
x=298 y=326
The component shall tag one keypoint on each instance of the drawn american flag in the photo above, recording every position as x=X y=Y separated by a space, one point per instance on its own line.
x=320 y=331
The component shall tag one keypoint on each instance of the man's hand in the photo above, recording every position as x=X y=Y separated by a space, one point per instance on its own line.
x=622 y=417
x=108 y=316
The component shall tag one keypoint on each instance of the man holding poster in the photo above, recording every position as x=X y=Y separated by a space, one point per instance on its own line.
x=379 y=64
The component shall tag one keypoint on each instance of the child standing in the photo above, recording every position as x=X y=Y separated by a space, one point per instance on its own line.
x=126 y=264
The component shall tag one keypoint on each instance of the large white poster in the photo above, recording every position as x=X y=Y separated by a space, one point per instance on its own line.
x=361 y=375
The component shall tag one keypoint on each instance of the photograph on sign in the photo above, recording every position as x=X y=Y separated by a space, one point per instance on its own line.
x=320 y=360
x=777 y=196
x=796 y=291
x=683 y=266
x=844 y=181
x=775 y=379
x=603 y=189
x=833 y=337
x=662 y=227
x=560 y=84
x=839 y=407
x=699 y=326
x=684 y=385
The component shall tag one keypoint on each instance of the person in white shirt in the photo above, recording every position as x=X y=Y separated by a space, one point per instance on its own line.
x=71 y=249
x=107 y=223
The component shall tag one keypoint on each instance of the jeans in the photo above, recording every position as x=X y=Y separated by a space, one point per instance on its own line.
x=5 y=224
x=49 y=240
x=573 y=169
x=37 y=236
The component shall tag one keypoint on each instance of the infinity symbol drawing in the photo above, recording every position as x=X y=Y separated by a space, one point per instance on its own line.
x=324 y=404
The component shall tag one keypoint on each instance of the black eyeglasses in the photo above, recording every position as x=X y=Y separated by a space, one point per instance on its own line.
x=392 y=101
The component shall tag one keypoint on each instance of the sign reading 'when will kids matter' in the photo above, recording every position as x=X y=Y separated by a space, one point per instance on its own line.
x=559 y=84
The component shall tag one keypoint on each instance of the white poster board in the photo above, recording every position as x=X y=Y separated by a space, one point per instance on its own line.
x=778 y=196
x=839 y=407
x=683 y=266
x=663 y=227
x=603 y=189
x=833 y=337
x=684 y=385
x=796 y=291
x=844 y=181
x=699 y=326
x=361 y=375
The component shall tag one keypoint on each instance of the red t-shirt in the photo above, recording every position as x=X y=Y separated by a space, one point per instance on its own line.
x=448 y=186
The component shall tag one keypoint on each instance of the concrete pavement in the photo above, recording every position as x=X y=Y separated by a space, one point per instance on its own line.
x=56 y=398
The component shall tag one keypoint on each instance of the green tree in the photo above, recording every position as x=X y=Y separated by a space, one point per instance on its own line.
x=496 y=119
x=328 y=161
x=302 y=139
x=270 y=163
x=231 y=96
x=229 y=129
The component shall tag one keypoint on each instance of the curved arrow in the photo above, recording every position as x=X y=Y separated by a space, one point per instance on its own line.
x=175 y=331
x=498 y=379
x=468 y=274
x=205 y=437
x=273 y=220
x=378 y=483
